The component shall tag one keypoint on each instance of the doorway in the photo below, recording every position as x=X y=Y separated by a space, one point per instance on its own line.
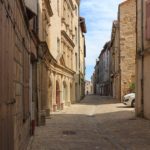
x=57 y=95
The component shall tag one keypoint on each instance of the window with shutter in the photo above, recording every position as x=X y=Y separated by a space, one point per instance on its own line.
x=148 y=20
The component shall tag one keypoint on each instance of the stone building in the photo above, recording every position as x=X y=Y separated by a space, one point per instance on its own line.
x=115 y=75
x=96 y=77
x=63 y=44
x=82 y=55
x=93 y=79
x=88 y=87
x=143 y=59
x=58 y=67
x=127 y=44
x=42 y=56
x=102 y=83
x=18 y=57
x=115 y=61
x=105 y=86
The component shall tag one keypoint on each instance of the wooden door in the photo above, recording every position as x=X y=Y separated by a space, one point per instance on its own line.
x=7 y=100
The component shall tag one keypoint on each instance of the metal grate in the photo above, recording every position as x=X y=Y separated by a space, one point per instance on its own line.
x=69 y=132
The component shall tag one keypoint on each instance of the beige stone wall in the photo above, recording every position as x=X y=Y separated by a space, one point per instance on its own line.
x=116 y=61
x=82 y=64
x=62 y=38
x=117 y=65
x=64 y=20
x=88 y=87
x=76 y=39
x=142 y=109
x=82 y=56
x=54 y=32
x=15 y=109
x=127 y=22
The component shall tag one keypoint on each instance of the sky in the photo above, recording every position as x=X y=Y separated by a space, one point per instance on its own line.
x=99 y=15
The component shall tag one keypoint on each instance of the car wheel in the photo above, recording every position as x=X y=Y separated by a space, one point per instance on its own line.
x=133 y=103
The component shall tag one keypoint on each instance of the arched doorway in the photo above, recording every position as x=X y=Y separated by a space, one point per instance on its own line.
x=71 y=93
x=65 y=97
x=57 y=95
x=76 y=92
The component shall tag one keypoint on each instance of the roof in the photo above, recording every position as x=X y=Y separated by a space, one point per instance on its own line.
x=83 y=25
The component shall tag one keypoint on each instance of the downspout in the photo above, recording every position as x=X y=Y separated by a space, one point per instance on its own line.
x=142 y=59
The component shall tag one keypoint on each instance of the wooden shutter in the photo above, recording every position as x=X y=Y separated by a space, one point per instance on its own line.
x=148 y=20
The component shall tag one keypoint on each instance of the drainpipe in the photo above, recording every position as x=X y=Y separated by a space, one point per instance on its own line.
x=142 y=58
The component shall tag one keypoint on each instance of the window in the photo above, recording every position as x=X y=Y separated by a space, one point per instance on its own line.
x=64 y=14
x=76 y=35
x=148 y=20
x=58 y=45
x=76 y=60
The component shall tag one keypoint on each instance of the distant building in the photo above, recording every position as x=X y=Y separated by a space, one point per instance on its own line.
x=114 y=73
x=88 y=87
x=93 y=79
x=105 y=85
x=97 y=77
x=101 y=77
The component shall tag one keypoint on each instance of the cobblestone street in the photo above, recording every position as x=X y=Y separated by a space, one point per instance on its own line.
x=97 y=123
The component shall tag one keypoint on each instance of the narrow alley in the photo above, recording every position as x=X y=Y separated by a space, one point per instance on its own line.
x=95 y=123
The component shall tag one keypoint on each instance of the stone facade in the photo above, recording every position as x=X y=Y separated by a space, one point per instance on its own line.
x=104 y=71
x=96 y=78
x=82 y=55
x=18 y=57
x=45 y=46
x=115 y=61
x=115 y=75
x=127 y=44
x=93 y=79
x=59 y=68
x=63 y=44
x=143 y=59
x=88 y=87
x=102 y=81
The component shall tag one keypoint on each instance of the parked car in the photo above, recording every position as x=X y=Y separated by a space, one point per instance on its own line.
x=129 y=99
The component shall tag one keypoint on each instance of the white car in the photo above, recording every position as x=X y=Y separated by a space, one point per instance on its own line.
x=129 y=99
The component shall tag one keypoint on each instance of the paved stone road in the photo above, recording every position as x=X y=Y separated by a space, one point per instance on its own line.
x=95 y=124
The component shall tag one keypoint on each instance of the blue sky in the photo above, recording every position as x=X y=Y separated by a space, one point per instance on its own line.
x=99 y=16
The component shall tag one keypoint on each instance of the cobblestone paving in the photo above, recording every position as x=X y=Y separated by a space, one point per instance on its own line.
x=97 y=123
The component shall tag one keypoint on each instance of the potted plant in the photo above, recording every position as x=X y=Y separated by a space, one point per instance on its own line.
x=132 y=87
